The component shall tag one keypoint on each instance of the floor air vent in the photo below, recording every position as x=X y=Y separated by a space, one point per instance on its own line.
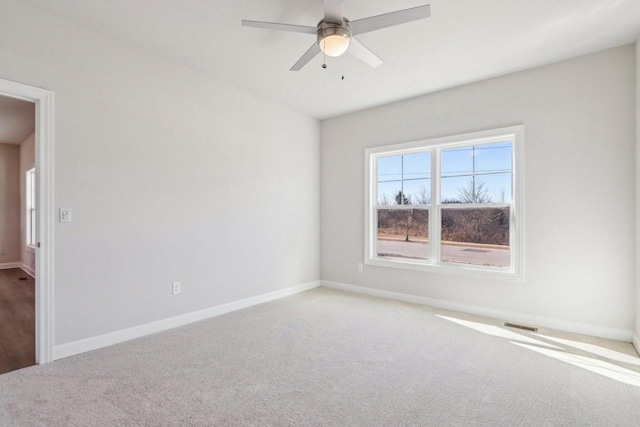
x=515 y=325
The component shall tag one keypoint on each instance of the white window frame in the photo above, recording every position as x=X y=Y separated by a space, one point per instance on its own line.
x=515 y=271
x=30 y=208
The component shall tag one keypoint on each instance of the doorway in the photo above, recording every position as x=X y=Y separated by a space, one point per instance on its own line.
x=17 y=234
x=28 y=278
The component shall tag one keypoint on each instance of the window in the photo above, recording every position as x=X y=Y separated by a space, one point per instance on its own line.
x=31 y=207
x=450 y=204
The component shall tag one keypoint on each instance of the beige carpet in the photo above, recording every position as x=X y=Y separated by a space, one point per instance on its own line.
x=331 y=358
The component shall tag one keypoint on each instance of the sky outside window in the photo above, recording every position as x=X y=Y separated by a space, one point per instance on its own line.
x=486 y=168
x=409 y=174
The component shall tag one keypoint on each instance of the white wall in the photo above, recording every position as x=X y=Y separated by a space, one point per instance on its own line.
x=171 y=175
x=27 y=161
x=579 y=245
x=9 y=204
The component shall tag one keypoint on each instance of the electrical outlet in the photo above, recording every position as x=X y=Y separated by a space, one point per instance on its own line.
x=360 y=266
x=176 y=288
x=65 y=215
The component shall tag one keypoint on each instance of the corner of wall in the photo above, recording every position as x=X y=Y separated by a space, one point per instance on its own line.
x=636 y=340
x=27 y=161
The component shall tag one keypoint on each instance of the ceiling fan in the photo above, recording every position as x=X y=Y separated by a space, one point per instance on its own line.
x=335 y=33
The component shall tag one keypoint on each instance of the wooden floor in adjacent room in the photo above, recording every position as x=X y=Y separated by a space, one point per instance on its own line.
x=17 y=320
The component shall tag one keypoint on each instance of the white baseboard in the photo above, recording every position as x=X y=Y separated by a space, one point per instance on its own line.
x=94 y=343
x=28 y=270
x=547 y=322
x=636 y=342
x=8 y=265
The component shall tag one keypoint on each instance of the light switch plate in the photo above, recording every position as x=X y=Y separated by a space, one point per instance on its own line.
x=65 y=215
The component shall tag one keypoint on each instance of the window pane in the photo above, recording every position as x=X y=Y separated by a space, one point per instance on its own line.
x=476 y=236
x=388 y=193
x=493 y=158
x=31 y=231
x=497 y=186
x=416 y=166
x=389 y=168
x=477 y=174
x=30 y=207
x=450 y=189
x=457 y=161
x=403 y=233
x=418 y=191
x=493 y=188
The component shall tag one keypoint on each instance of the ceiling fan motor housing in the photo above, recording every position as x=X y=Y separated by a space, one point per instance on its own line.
x=333 y=38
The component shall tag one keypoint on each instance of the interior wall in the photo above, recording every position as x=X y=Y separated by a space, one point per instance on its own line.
x=579 y=199
x=27 y=161
x=9 y=204
x=171 y=175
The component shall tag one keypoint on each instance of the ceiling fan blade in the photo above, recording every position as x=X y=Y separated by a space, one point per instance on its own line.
x=281 y=27
x=378 y=22
x=363 y=53
x=308 y=56
x=333 y=11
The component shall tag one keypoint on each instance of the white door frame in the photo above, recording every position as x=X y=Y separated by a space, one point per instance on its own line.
x=44 y=211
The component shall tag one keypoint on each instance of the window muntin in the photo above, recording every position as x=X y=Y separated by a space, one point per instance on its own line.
x=404 y=179
x=30 y=207
x=469 y=224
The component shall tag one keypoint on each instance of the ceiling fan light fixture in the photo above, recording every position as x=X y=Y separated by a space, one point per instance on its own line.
x=334 y=39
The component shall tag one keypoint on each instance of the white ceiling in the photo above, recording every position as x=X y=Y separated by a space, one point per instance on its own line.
x=462 y=42
x=17 y=120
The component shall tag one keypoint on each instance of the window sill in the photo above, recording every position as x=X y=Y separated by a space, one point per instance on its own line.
x=31 y=249
x=445 y=268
